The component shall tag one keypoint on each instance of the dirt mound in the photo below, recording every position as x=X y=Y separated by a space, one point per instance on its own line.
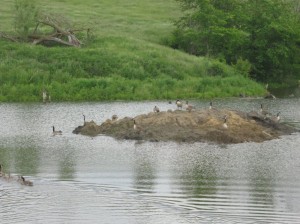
x=221 y=126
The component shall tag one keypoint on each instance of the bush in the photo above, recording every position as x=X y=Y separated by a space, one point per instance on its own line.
x=243 y=67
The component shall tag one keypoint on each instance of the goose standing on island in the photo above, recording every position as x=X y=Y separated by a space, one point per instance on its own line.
x=189 y=107
x=84 y=122
x=263 y=111
x=210 y=105
x=136 y=127
x=114 y=117
x=278 y=117
x=179 y=104
x=225 y=122
x=156 y=109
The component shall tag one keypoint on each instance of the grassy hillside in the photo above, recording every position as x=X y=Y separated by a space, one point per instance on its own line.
x=127 y=60
x=148 y=20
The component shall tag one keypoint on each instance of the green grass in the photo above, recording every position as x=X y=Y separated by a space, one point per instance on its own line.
x=127 y=60
x=149 y=20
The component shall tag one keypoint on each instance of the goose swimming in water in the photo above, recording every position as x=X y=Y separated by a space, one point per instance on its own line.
x=56 y=132
x=22 y=181
x=84 y=123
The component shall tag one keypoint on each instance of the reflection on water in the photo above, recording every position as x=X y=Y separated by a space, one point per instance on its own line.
x=144 y=171
x=66 y=168
x=78 y=179
x=293 y=91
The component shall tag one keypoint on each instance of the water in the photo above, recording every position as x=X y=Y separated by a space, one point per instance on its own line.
x=79 y=179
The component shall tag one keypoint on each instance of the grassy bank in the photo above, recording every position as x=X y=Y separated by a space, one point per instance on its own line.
x=126 y=61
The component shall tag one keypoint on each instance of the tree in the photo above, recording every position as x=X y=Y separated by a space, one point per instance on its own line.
x=274 y=34
x=209 y=26
x=263 y=32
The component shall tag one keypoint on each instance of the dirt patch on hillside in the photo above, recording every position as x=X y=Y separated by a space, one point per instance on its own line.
x=220 y=126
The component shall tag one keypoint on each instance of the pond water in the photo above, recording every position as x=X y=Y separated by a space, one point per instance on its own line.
x=79 y=179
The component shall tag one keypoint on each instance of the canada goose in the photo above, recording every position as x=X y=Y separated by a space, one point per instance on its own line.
x=278 y=117
x=22 y=181
x=210 y=105
x=263 y=111
x=136 y=127
x=189 y=107
x=225 y=122
x=114 y=117
x=83 y=119
x=155 y=109
x=56 y=132
x=179 y=104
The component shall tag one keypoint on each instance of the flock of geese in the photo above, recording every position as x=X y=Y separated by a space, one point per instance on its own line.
x=9 y=178
x=189 y=107
x=263 y=112
x=267 y=115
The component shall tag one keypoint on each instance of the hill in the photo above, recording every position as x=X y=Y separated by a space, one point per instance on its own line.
x=127 y=60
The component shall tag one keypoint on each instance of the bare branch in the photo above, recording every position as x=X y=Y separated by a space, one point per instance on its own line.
x=6 y=36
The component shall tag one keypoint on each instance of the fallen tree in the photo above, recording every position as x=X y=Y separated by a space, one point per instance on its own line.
x=36 y=27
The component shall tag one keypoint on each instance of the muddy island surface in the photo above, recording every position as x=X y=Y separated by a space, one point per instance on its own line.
x=211 y=125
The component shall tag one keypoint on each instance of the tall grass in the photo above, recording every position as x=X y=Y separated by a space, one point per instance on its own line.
x=125 y=62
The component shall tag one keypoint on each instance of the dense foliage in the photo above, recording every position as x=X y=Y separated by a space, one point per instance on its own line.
x=262 y=33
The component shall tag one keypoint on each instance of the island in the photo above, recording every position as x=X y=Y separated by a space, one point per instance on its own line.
x=220 y=126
